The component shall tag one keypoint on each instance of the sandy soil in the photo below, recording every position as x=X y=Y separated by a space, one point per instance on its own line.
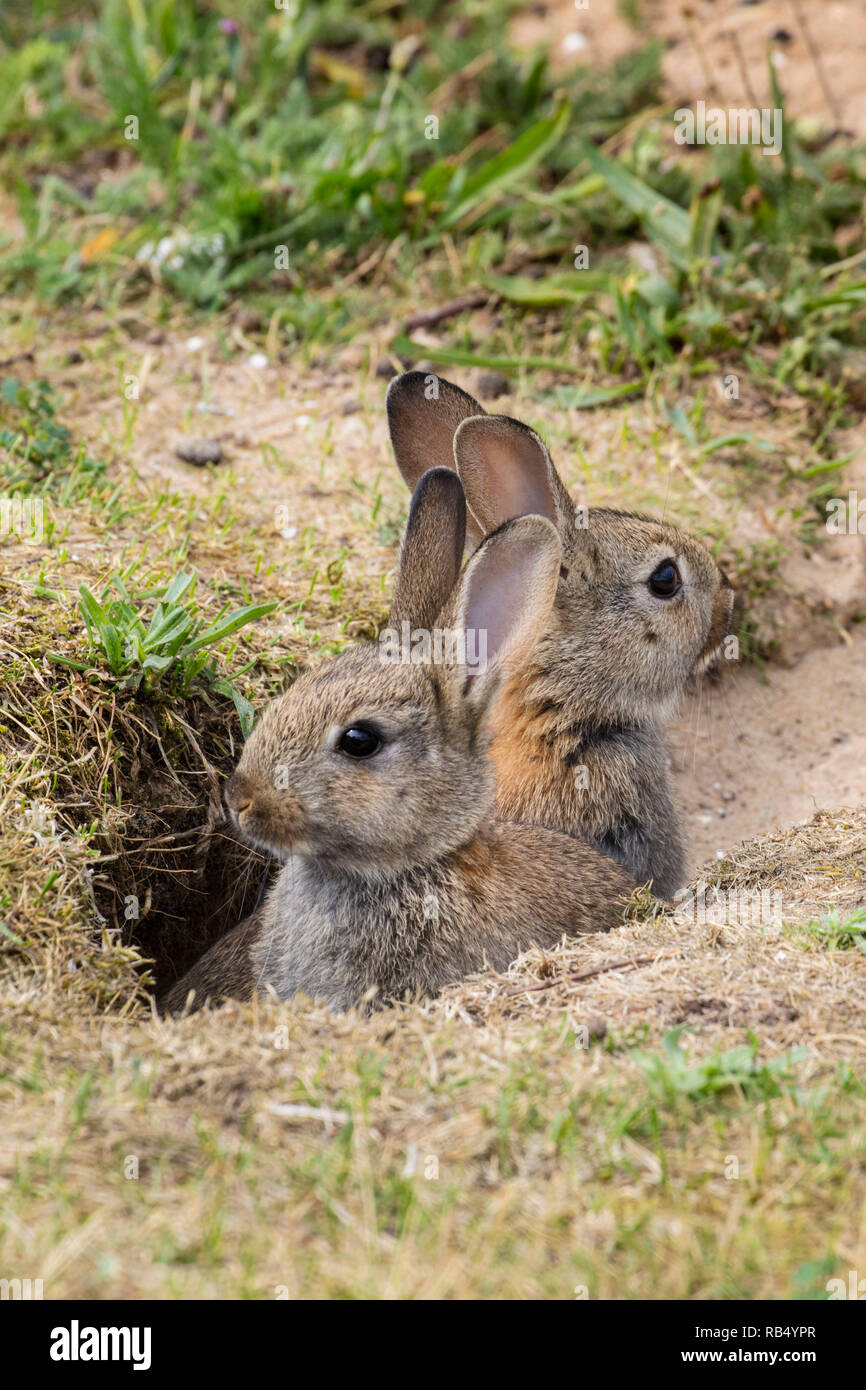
x=757 y=753
x=717 y=49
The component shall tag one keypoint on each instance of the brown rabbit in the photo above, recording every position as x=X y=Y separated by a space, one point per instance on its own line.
x=370 y=778
x=640 y=608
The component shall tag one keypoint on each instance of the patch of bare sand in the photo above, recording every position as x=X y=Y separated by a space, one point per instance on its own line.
x=717 y=50
x=756 y=751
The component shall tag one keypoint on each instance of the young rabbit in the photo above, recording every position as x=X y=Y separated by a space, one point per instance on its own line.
x=640 y=608
x=370 y=778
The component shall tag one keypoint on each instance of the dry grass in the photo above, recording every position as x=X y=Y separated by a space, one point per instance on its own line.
x=730 y=968
x=470 y=1146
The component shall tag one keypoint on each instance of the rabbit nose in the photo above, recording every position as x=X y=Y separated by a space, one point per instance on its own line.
x=237 y=796
x=722 y=626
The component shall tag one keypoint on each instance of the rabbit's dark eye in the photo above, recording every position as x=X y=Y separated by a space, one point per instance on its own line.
x=359 y=742
x=665 y=581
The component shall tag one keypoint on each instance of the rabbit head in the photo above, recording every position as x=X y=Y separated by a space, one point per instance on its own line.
x=640 y=607
x=378 y=760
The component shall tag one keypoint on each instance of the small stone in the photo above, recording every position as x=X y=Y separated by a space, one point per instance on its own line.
x=350 y=406
x=385 y=369
x=199 y=451
x=378 y=57
x=597 y=1029
x=258 y=360
x=134 y=326
x=493 y=384
x=73 y=357
x=250 y=320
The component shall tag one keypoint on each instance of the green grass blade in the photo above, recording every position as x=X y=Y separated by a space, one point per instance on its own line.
x=229 y=625
x=178 y=588
x=549 y=292
x=461 y=357
x=703 y=221
x=666 y=222
x=246 y=713
x=166 y=628
x=506 y=168
x=585 y=397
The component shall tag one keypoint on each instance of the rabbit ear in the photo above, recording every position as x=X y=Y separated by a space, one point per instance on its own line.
x=423 y=412
x=503 y=602
x=431 y=551
x=507 y=472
